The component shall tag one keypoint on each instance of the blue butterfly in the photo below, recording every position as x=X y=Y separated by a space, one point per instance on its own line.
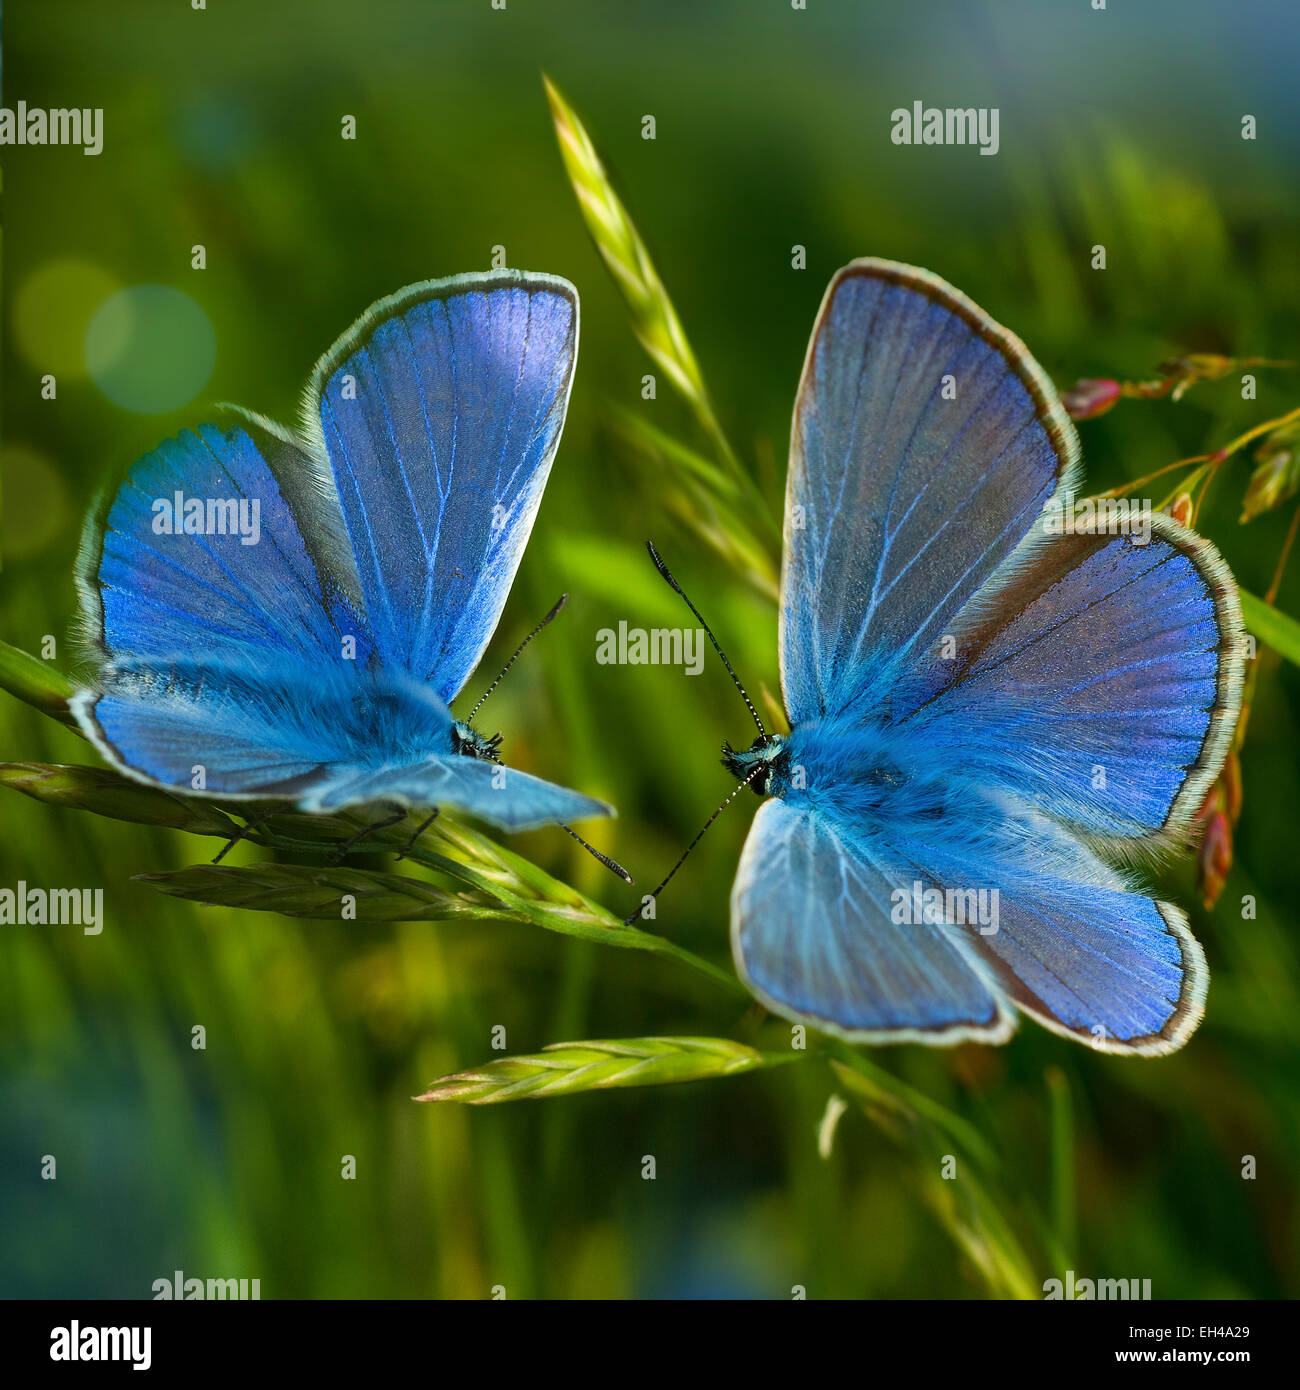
x=986 y=717
x=291 y=615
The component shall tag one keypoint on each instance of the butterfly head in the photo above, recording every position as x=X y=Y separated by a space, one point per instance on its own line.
x=473 y=744
x=763 y=762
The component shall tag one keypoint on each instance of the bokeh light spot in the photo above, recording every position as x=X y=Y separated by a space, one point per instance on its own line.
x=36 y=508
x=52 y=309
x=150 y=349
x=216 y=130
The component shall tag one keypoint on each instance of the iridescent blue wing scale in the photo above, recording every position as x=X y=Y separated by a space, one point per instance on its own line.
x=439 y=414
x=143 y=586
x=1102 y=684
x=925 y=444
x=813 y=937
x=276 y=729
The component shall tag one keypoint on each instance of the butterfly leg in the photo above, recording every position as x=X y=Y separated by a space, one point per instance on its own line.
x=249 y=826
x=423 y=826
x=345 y=847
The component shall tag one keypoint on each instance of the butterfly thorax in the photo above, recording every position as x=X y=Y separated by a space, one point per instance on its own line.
x=401 y=723
x=860 y=770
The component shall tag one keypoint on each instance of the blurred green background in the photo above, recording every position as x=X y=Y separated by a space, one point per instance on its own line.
x=222 y=128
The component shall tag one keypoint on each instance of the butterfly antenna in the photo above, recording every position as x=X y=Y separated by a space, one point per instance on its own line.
x=753 y=772
x=560 y=602
x=731 y=671
x=611 y=864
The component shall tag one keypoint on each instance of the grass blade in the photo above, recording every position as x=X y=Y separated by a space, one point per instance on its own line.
x=477 y=877
x=728 y=515
x=500 y=884
x=1279 y=631
x=722 y=504
x=107 y=793
x=874 y=1086
x=654 y=319
x=565 y=1068
x=1063 y=1178
x=36 y=683
x=968 y=1207
x=296 y=890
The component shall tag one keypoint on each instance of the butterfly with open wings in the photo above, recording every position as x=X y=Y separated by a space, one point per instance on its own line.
x=977 y=706
x=318 y=665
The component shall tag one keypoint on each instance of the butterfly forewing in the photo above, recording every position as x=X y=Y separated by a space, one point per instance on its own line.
x=925 y=443
x=440 y=413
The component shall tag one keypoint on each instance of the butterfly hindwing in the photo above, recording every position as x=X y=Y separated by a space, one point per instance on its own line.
x=505 y=797
x=814 y=937
x=1071 y=940
x=266 y=730
x=819 y=936
x=324 y=736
